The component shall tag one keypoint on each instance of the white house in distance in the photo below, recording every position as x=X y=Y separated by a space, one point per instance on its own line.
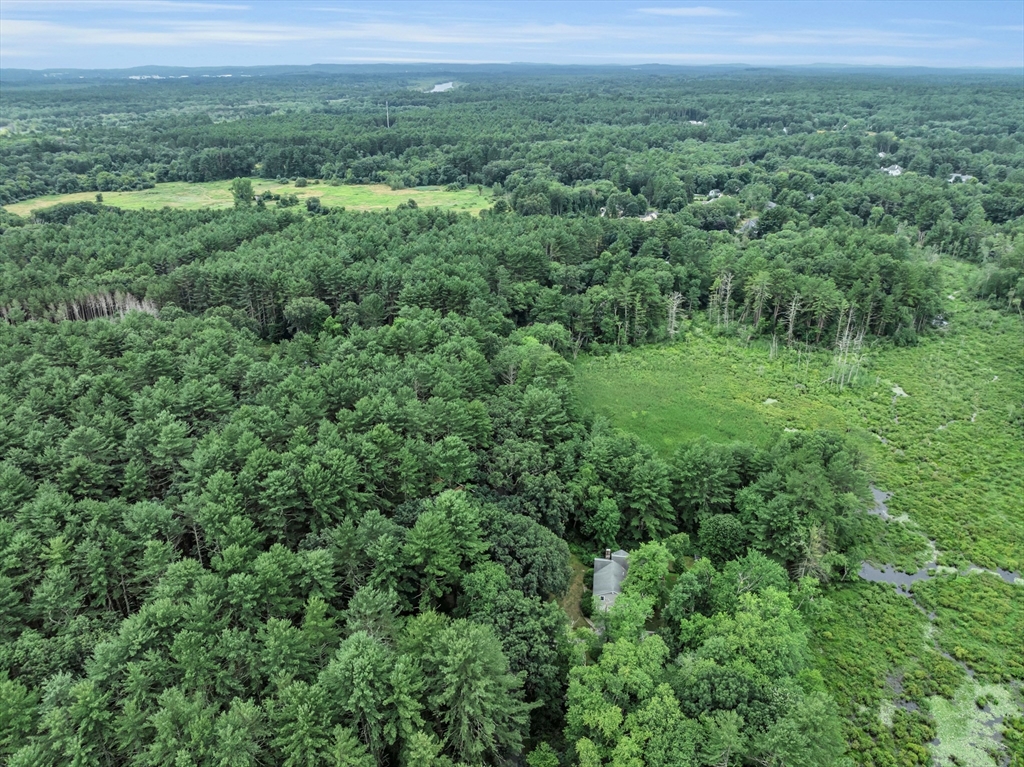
x=609 y=573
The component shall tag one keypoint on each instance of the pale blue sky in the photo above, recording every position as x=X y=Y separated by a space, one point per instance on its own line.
x=125 y=33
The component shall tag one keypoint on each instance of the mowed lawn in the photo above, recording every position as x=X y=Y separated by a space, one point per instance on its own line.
x=217 y=194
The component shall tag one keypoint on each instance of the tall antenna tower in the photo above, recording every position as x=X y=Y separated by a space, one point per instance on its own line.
x=387 y=114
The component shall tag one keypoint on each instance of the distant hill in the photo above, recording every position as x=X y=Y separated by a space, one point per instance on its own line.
x=29 y=76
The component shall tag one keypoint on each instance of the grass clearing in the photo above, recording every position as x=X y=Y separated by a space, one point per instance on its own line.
x=217 y=194
x=704 y=386
x=950 y=451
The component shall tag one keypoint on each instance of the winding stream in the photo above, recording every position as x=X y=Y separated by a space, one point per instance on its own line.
x=904 y=582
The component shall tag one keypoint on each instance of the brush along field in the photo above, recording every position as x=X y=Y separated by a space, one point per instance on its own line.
x=217 y=194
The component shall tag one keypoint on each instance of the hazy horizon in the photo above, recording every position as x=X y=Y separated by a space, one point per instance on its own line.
x=111 y=34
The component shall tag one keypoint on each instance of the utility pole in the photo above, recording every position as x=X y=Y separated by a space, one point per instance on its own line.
x=387 y=114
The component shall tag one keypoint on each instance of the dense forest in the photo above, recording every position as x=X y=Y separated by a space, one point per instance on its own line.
x=295 y=485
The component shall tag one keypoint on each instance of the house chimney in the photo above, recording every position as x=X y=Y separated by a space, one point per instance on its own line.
x=607 y=553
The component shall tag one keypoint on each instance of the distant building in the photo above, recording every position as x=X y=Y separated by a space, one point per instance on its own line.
x=893 y=170
x=961 y=177
x=609 y=573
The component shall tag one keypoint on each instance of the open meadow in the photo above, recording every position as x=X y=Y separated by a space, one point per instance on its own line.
x=217 y=194
x=941 y=422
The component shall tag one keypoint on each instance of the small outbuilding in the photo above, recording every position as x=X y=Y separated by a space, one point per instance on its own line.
x=609 y=573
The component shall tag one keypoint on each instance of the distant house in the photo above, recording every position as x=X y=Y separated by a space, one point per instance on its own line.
x=963 y=178
x=609 y=573
x=893 y=170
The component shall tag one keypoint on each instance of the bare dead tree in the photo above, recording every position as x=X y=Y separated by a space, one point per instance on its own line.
x=88 y=307
x=728 y=295
x=791 y=311
x=846 y=362
x=510 y=374
x=714 y=302
x=675 y=302
x=577 y=345
x=718 y=306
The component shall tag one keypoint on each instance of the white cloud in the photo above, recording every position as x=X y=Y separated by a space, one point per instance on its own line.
x=192 y=33
x=142 y=6
x=690 y=11
x=424 y=59
x=919 y=21
x=862 y=37
x=359 y=11
x=303 y=33
x=673 y=57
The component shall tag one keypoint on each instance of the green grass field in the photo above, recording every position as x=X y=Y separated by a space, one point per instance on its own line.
x=217 y=194
x=703 y=386
x=951 y=450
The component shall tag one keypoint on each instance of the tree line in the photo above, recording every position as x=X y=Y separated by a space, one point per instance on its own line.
x=604 y=282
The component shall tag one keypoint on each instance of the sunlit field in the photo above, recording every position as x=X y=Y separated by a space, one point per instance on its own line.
x=217 y=194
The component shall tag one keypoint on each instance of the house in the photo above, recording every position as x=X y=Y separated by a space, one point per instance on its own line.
x=609 y=573
x=893 y=170
x=963 y=178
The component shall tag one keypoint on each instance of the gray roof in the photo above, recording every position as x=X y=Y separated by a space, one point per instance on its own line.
x=610 y=573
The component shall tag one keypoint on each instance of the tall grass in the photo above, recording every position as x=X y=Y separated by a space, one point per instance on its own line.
x=217 y=194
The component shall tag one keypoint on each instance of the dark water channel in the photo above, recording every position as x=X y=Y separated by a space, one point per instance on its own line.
x=889 y=574
x=903 y=583
x=880 y=509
